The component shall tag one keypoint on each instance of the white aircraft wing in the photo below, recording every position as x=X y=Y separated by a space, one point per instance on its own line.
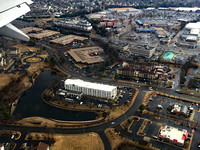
x=9 y=11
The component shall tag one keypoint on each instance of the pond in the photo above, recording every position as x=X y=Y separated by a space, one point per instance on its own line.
x=30 y=103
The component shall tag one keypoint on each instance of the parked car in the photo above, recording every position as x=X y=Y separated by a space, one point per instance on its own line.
x=112 y=123
x=150 y=88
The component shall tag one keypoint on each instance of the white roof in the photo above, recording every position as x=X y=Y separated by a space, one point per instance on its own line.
x=188 y=8
x=194 y=38
x=176 y=108
x=173 y=134
x=91 y=85
x=193 y=25
x=195 y=31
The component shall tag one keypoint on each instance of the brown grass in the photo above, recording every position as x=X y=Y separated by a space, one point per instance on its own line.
x=116 y=141
x=87 y=141
x=5 y=79
x=114 y=138
x=33 y=60
x=25 y=48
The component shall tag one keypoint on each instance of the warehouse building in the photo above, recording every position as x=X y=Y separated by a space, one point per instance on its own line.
x=123 y=9
x=68 y=39
x=91 y=89
x=190 y=36
x=31 y=30
x=43 y=34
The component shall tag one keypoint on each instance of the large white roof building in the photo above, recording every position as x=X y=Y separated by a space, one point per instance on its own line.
x=92 y=89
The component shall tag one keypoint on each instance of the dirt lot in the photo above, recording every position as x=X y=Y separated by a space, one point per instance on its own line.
x=86 y=141
x=5 y=79
x=25 y=48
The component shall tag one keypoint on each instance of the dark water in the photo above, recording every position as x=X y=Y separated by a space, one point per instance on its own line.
x=30 y=103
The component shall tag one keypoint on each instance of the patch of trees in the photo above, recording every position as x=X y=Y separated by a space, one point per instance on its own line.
x=192 y=83
x=184 y=69
x=141 y=108
x=5 y=113
x=74 y=14
x=101 y=31
x=29 y=43
x=52 y=62
x=109 y=50
x=74 y=31
x=93 y=21
x=79 y=13
x=62 y=59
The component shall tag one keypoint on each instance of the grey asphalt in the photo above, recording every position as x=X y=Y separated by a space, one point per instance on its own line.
x=100 y=128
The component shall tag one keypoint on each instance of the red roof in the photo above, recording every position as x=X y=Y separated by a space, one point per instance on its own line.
x=192 y=130
x=110 y=20
x=160 y=135
x=185 y=136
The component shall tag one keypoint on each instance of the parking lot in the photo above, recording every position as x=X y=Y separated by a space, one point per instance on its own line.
x=165 y=102
x=124 y=98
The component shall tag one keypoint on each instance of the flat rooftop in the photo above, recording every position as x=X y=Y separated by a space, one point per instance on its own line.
x=161 y=31
x=43 y=34
x=168 y=56
x=95 y=16
x=87 y=55
x=68 y=39
x=174 y=134
x=97 y=86
x=124 y=9
x=142 y=47
x=31 y=29
x=193 y=25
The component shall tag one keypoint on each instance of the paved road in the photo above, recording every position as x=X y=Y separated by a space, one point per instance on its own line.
x=99 y=128
x=133 y=110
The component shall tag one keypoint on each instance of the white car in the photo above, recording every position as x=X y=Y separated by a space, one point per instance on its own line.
x=112 y=123
x=155 y=137
x=191 y=93
x=150 y=88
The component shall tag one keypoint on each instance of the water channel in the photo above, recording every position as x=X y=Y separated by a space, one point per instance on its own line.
x=30 y=103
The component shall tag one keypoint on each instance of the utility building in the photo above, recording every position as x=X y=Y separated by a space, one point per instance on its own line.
x=91 y=89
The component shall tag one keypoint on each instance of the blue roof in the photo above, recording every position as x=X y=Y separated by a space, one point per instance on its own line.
x=140 y=22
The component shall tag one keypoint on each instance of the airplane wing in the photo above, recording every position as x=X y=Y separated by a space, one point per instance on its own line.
x=9 y=11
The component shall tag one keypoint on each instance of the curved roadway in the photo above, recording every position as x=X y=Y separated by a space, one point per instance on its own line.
x=98 y=128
